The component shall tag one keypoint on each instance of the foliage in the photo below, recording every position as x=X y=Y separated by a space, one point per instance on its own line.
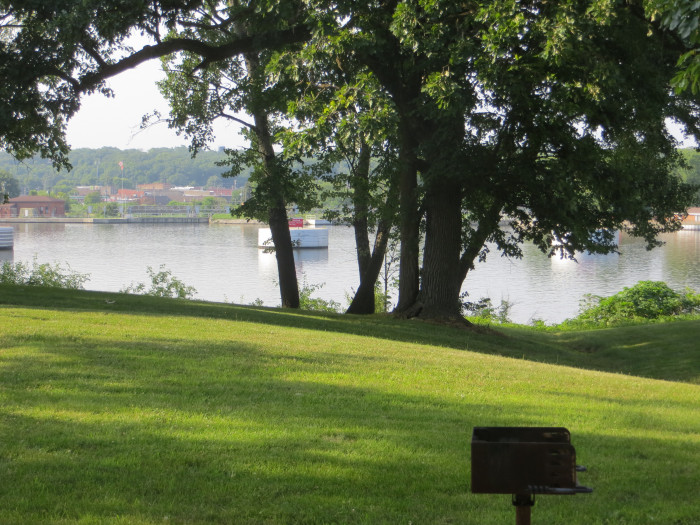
x=382 y=300
x=111 y=209
x=93 y=198
x=526 y=113
x=646 y=300
x=163 y=284
x=691 y=173
x=44 y=274
x=9 y=186
x=683 y=18
x=316 y=304
x=484 y=310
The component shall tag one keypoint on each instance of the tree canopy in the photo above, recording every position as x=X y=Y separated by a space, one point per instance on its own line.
x=683 y=18
x=511 y=121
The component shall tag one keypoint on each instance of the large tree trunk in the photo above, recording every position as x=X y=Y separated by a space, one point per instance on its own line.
x=440 y=284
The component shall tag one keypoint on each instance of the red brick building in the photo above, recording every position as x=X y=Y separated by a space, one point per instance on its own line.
x=33 y=206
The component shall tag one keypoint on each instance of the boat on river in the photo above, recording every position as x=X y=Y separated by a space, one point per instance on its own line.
x=301 y=237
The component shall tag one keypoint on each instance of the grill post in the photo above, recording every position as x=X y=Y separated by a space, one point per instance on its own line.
x=523 y=506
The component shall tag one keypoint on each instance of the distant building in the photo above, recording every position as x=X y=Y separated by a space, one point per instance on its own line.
x=154 y=186
x=104 y=191
x=692 y=220
x=33 y=206
x=129 y=195
x=222 y=192
x=154 y=199
x=190 y=195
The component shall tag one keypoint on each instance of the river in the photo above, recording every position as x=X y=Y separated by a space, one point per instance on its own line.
x=223 y=263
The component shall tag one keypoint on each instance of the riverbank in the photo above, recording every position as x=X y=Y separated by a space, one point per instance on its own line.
x=124 y=403
x=110 y=220
x=126 y=220
x=535 y=286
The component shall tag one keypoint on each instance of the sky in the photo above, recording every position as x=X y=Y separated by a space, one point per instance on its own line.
x=115 y=122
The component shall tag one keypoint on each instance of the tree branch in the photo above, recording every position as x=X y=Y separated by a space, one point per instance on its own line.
x=209 y=53
x=236 y=119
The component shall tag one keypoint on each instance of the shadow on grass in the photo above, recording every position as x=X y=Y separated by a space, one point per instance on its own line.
x=102 y=431
x=663 y=351
x=166 y=431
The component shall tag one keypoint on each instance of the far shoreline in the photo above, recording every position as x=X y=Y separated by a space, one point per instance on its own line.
x=127 y=220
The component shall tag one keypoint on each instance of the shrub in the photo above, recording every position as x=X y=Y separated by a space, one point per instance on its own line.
x=306 y=302
x=44 y=274
x=485 y=310
x=643 y=301
x=163 y=284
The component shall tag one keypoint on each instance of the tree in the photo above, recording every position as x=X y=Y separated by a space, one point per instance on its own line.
x=345 y=122
x=53 y=53
x=200 y=94
x=213 y=182
x=93 y=197
x=681 y=17
x=9 y=187
x=529 y=114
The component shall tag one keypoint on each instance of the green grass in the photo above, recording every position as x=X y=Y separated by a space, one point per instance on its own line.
x=132 y=409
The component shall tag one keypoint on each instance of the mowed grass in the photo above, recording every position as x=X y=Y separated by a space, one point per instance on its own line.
x=123 y=409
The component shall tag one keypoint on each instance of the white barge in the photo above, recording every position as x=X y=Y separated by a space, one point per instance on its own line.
x=301 y=238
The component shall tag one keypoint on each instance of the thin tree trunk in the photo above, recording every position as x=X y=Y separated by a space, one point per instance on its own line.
x=409 y=219
x=284 y=252
x=487 y=225
x=360 y=200
x=279 y=223
x=364 y=301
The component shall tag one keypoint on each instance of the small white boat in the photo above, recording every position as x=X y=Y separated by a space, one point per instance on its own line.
x=301 y=238
x=313 y=222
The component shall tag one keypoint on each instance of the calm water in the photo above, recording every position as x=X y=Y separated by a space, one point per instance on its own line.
x=223 y=263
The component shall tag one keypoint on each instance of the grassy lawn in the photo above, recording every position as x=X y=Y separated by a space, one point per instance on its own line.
x=123 y=409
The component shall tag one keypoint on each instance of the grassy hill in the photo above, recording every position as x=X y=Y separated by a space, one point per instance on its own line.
x=121 y=409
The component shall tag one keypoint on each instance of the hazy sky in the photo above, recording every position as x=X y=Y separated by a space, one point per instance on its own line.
x=115 y=122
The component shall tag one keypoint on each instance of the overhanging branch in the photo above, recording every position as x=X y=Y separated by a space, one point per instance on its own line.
x=209 y=53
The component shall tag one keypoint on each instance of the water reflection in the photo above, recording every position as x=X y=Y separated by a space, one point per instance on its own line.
x=224 y=263
x=552 y=288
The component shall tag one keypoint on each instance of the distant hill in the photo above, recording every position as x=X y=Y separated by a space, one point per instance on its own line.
x=173 y=165
x=101 y=167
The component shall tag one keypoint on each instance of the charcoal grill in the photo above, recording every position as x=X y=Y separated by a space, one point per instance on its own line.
x=523 y=462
